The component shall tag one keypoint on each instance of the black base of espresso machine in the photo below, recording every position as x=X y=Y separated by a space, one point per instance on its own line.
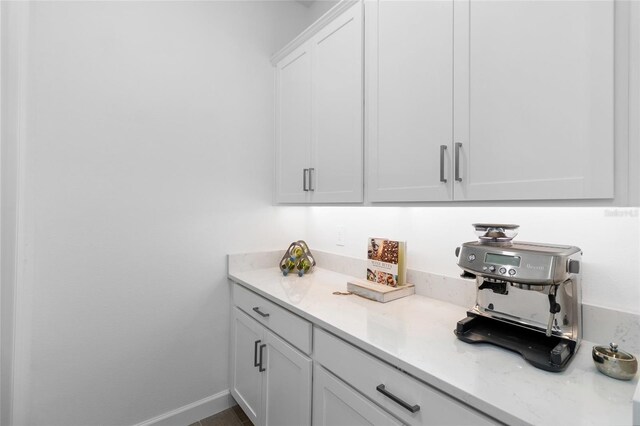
x=548 y=353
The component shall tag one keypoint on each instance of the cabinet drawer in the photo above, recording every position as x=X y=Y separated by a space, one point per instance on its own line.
x=335 y=403
x=391 y=388
x=287 y=325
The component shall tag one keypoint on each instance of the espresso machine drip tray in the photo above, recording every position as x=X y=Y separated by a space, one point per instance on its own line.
x=548 y=353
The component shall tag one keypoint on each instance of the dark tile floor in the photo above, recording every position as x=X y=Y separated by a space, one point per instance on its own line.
x=233 y=416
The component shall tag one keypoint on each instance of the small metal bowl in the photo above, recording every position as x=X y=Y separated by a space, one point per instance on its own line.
x=615 y=363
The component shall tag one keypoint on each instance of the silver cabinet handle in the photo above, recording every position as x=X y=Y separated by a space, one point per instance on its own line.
x=261 y=368
x=259 y=312
x=311 y=183
x=255 y=353
x=412 y=408
x=305 y=188
x=443 y=148
x=457 y=166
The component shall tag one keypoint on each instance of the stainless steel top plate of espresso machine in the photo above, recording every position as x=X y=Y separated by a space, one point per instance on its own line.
x=528 y=296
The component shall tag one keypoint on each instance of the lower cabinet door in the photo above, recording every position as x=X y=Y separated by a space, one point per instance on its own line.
x=246 y=379
x=287 y=384
x=336 y=404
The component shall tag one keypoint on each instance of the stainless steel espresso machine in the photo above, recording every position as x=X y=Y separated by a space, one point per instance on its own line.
x=528 y=296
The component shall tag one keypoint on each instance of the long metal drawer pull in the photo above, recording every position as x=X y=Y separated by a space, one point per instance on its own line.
x=304 y=180
x=255 y=353
x=259 y=312
x=261 y=368
x=409 y=407
x=311 y=182
x=443 y=148
x=457 y=171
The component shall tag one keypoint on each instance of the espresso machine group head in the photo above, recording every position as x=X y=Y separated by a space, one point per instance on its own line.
x=528 y=296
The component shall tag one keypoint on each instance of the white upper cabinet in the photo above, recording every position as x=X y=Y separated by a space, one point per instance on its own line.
x=463 y=100
x=534 y=87
x=337 y=113
x=409 y=101
x=319 y=125
x=293 y=125
x=489 y=100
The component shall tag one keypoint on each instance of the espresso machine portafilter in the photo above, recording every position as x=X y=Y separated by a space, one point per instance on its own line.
x=528 y=296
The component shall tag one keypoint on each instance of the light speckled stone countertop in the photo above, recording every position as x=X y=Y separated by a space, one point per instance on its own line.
x=416 y=335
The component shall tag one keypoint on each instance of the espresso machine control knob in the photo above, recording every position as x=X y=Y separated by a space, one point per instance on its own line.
x=573 y=266
x=492 y=268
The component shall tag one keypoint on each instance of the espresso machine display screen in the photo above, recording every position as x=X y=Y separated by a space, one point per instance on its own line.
x=501 y=259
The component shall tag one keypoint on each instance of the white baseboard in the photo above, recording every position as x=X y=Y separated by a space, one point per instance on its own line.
x=193 y=412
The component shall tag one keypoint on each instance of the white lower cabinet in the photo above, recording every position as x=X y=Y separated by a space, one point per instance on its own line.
x=270 y=379
x=411 y=401
x=287 y=384
x=246 y=379
x=336 y=404
x=271 y=376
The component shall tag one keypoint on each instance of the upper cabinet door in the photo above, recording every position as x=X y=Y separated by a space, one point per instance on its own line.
x=293 y=125
x=409 y=100
x=533 y=96
x=337 y=139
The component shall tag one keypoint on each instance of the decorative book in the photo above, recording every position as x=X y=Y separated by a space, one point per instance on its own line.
x=386 y=262
x=379 y=292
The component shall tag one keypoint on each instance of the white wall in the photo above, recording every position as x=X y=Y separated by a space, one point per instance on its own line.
x=147 y=158
x=12 y=118
x=318 y=8
x=609 y=238
x=634 y=100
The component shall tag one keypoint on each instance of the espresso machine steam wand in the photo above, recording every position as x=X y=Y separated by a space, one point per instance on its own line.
x=554 y=308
